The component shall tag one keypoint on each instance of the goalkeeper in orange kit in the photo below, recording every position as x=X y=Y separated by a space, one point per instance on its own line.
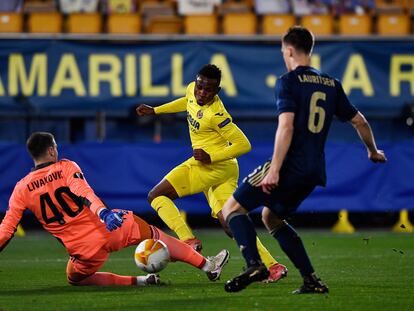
x=67 y=207
x=213 y=168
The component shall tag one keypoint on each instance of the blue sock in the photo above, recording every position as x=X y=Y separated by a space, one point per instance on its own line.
x=245 y=236
x=292 y=245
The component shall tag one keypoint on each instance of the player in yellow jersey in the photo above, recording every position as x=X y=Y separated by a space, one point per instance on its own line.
x=213 y=168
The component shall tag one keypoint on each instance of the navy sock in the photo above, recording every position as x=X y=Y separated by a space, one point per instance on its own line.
x=245 y=236
x=292 y=245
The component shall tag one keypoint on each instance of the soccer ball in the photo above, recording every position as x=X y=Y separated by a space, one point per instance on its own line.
x=152 y=255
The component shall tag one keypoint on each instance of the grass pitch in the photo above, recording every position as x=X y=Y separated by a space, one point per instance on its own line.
x=364 y=271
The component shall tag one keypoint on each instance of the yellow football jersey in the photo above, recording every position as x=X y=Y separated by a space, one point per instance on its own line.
x=211 y=127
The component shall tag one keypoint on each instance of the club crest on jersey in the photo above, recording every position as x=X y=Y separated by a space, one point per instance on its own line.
x=199 y=114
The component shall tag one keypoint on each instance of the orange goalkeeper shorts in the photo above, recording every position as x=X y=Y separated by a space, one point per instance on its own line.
x=132 y=231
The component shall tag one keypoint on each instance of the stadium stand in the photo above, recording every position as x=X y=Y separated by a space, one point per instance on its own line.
x=120 y=6
x=273 y=24
x=201 y=24
x=80 y=6
x=164 y=25
x=319 y=24
x=359 y=7
x=393 y=24
x=154 y=9
x=39 y=6
x=127 y=23
x=45 y=22
x=227 y=17
x=239 y=24
x=11 y=22
x=11 y=6
x=355 y=25
x=389 y=6
x=305 y=7
x=84 y=23
x=205 y=7
x=264 y=7
x=234 y=7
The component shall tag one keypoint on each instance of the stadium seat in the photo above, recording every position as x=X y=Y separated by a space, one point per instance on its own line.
x=45 y=22
x=119 y=6
x=389 y=6
x=239 y=24
x=318 y=24
x=164 y=25
x=124 y=23
x=11 y=22
x=231 y=6
x=200 y=24
x=156 y=8
x=354 y=25
x=277 y=24
x=84 y=23
x=393 y=24
x=39 y=6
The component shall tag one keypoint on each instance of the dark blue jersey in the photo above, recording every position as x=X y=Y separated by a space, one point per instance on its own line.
x=315 y=98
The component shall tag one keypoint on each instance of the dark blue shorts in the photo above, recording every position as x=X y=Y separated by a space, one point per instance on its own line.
x=283 y=200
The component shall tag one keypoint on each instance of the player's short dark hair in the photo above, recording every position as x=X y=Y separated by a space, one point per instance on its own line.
x=300 y=38
x=211 y=71
x=38 y=143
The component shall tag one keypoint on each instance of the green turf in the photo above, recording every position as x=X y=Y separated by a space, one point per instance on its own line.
x=364 y=271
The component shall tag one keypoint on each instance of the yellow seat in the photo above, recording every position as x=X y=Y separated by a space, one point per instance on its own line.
x=11 y=22
x=200 y=24
x=318 y=24
x=148 y=9
x=45 y=22
x=84 y=23
x=277 y=24
x=393 y=24
x=124 y=23
x=164 y=25
x=353 y=24
x=239 y=24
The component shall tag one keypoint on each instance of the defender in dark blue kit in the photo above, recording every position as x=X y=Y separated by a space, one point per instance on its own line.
x=307 y=100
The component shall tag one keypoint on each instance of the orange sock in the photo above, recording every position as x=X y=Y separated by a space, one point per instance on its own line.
x=179 y=251
x=107 y=279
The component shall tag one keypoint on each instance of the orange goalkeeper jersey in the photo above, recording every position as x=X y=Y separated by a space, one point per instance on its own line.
x=65 y=205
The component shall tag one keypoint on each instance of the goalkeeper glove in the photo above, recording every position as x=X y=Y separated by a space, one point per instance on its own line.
x=112 y=220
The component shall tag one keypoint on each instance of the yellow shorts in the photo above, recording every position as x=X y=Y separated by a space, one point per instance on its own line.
x=217 y=181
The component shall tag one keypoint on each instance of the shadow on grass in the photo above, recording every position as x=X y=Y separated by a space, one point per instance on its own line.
x=66 y=289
